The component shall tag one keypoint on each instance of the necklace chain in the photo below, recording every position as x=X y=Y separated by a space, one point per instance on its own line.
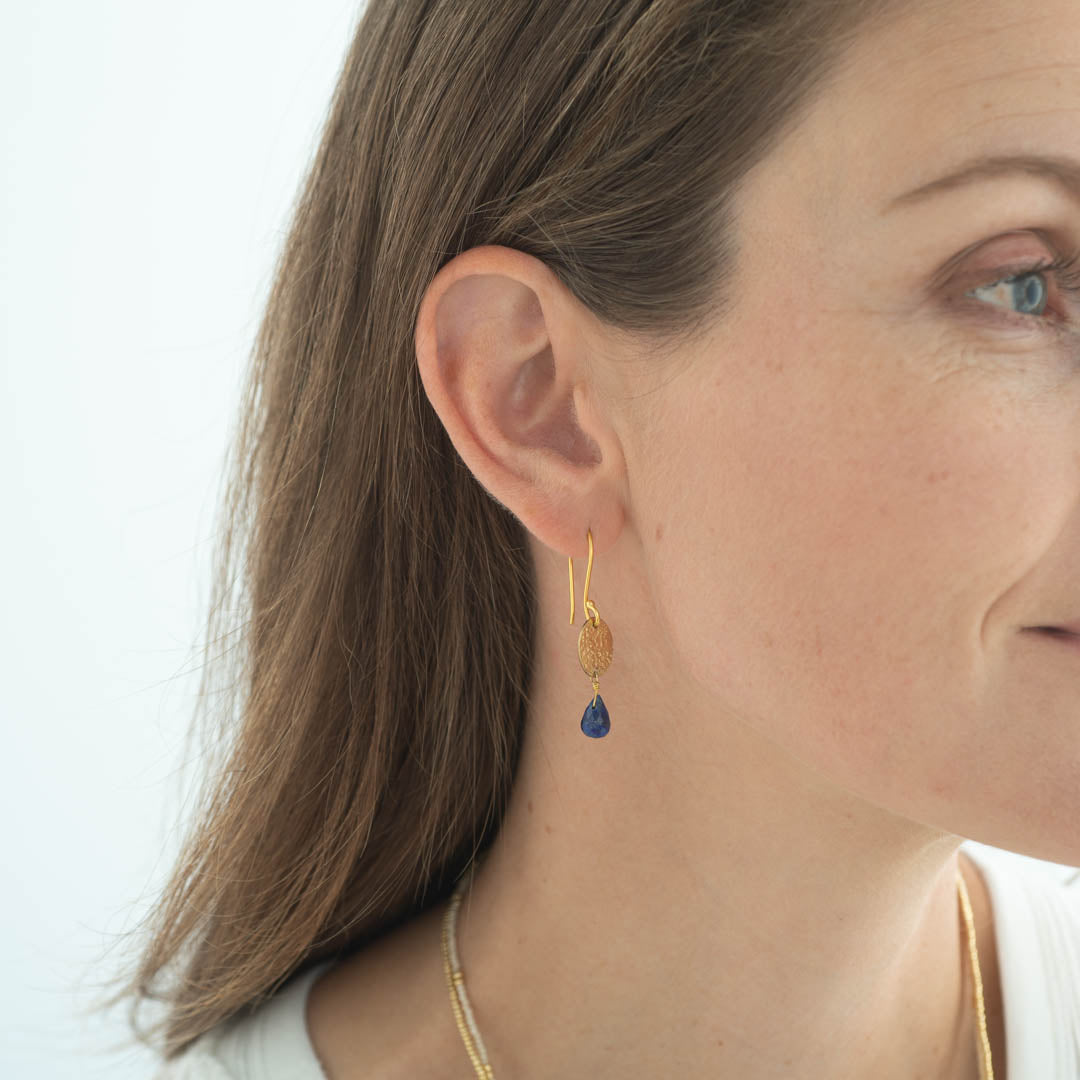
x=474 y=1044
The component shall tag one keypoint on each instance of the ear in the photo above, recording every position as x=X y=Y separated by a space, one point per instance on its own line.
x=503 y=349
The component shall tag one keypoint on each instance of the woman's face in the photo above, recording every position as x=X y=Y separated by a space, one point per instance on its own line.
x=861 y=494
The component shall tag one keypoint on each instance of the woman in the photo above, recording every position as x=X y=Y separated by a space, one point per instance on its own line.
x=767 y=315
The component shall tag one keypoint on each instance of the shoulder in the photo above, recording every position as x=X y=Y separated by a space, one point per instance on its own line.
x=386 y=1011
x=198 y=1062
x=269 y=1043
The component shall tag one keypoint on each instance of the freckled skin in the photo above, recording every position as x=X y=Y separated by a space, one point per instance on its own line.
x=818 y=536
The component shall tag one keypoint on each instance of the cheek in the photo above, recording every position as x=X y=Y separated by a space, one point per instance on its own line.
x=829 y=578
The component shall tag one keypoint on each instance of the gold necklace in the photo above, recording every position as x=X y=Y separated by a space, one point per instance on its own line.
x=474 y=1045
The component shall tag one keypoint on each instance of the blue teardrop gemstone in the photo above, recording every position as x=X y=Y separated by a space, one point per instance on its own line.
x=595 y=721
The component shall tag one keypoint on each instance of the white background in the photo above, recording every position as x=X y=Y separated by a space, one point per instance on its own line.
x=150 y=156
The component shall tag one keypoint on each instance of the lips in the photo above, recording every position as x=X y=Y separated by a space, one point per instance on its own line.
x=1067 y=628
x=1065 y=638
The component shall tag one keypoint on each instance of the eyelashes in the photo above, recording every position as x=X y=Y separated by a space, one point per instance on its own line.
x=1065 y=270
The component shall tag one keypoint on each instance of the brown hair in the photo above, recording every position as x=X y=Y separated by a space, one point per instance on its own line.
x=363 y=747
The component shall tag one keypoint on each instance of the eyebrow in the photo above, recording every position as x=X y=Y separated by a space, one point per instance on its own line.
x=1064 y=171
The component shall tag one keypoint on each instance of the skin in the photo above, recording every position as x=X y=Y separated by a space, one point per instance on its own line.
x=820 y=537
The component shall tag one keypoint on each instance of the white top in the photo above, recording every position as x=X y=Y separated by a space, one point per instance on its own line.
x=1037 y=928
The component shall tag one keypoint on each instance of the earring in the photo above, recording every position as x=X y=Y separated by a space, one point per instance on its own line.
x=594 y=650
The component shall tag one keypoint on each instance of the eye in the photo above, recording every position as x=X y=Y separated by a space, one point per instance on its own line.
x=1027 y=288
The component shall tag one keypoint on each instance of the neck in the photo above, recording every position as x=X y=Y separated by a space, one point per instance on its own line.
x=779 y=957
x=708 y=907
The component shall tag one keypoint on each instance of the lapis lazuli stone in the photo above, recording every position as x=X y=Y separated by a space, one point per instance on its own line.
x=595 y=721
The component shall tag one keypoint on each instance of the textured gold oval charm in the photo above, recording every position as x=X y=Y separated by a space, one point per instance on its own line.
x=594 y=648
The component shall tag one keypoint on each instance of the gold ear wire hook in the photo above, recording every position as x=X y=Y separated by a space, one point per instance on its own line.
x=594 y=649
x=585 y=601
